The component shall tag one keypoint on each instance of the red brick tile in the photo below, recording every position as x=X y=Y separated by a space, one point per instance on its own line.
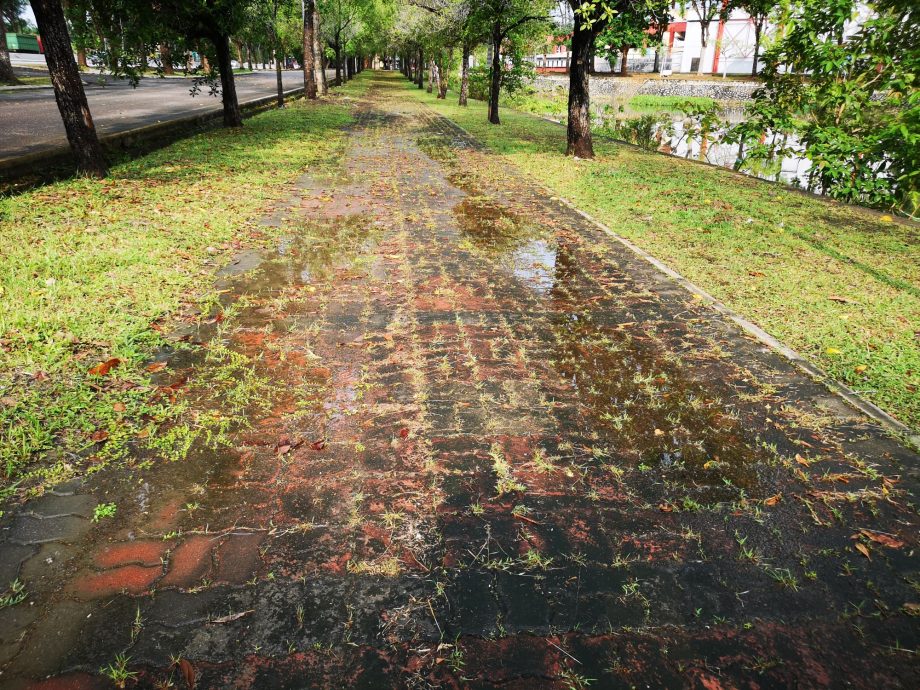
x=140 y=552
x=238 y=558
x=189 y=562
x=134 y=579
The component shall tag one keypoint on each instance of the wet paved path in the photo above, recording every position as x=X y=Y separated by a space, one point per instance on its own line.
x=497 y=450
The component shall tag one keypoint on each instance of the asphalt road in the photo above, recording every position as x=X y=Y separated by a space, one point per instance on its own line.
x=30 y=122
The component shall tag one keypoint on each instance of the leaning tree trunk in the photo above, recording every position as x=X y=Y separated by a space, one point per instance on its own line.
x=68 y=89
x=7 y=76
x=309 y=59
x=465 y=75
x=579 y=129
x=232 y=115
x=496 y=85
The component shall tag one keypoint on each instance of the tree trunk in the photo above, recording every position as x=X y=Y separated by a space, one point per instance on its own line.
x=232 y=115
x=624 y=55
x=68 y=89
x=465 y=75
x=166 y=59
x=205 y=63
x=322 y=86
x=443 y=74
x=81 y=59
x=758 y=27
x=7 y=76
x=278 y=60
x=309 y=60
x=420 y=70
x=496 y=84
x=338 y=67
x=432 y=75
x=580 y=143
x=704 y=39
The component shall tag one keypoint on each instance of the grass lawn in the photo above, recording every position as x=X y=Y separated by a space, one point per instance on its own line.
x=839 y=284
x=95 y=271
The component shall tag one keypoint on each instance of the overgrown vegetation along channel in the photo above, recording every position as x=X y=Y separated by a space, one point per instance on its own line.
x=95 y=273
x=837 y=283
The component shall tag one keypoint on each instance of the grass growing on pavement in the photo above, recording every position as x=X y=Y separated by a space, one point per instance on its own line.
x=838 y=283
x=91 y=267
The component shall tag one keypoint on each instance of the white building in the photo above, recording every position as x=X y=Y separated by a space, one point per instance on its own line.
x=730 y=48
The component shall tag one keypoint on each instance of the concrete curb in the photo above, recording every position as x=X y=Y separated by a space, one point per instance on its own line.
x=167 y=131
x=25 y=87
x=843 y=391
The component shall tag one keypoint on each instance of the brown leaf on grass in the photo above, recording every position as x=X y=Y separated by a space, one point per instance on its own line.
x=842 y=300
x=880 y=538
x=912 y=608
x=105 y=367
x=666 y=508
x=318 y=444
x=99 y=436
x=188 y=672
x=773 y=500
x=404 y=433
x=757 y=274
x=283 y=449
x=802 y=461
x=119 y=407
x=156 y=366
x=863 y=549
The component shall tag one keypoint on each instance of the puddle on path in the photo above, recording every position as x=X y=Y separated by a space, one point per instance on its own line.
x=481 y=442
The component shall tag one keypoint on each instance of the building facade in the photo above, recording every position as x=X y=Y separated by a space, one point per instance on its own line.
x=729 y=50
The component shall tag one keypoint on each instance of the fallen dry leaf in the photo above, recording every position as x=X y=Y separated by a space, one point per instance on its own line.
x=105 y=367
x=188 y=672
x=842 y=300
x=880 y=538
x=863 y=549
x=319 y=444
x=156 y=366
x=773 y=500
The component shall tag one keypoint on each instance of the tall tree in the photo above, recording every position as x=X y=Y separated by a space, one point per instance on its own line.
x=637 y=25
x=759 y=11
x=847 y=97
x=706 y=11
x=7 y=76
x=503 y=19
x=590 y=18
x=309 y=57
x=68 y=88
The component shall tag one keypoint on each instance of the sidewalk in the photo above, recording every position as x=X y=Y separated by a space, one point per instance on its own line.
x=487 y=446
